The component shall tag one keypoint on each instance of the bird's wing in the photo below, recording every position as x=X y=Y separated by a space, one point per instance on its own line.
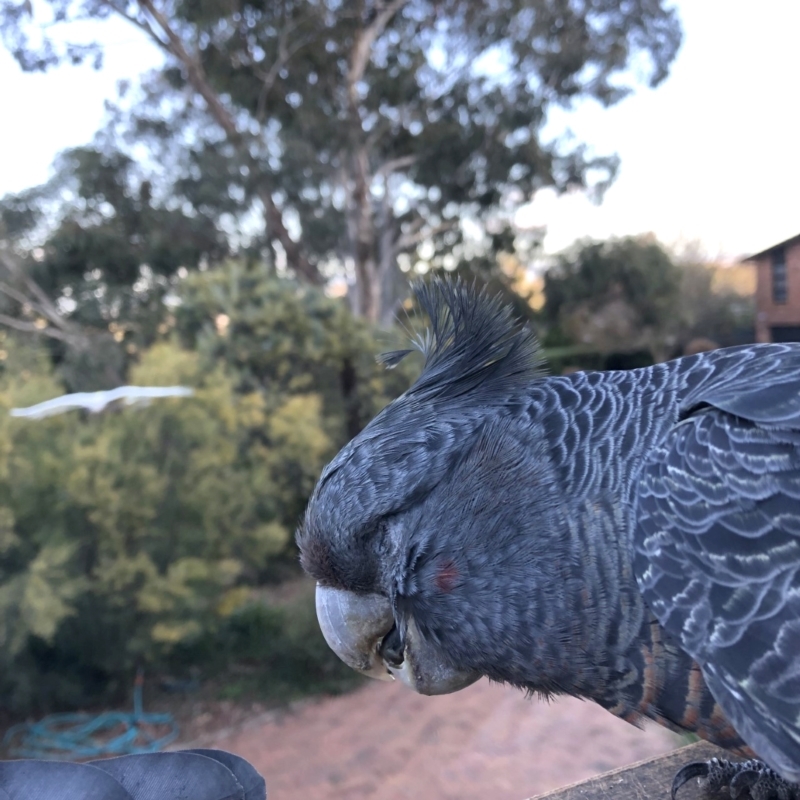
x=97 y=401
x=717 y=556
x=160 y=391
x=57 y=405
x=757 y=382
x=143 y=394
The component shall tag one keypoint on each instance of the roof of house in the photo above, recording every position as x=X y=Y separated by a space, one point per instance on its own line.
x=766 y=251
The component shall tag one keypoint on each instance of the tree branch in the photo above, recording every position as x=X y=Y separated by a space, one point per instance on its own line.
x=197 y=78
x=141 y=24
x=360 y=216
x=32 y=327
x=194 y=73
x=42 y=304
x=363 y=45
x=39 y=302
x=268 y=78
x=407 y=240
x=15 y=294
x=395 y=164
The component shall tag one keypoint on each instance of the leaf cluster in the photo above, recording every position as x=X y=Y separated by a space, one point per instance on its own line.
x=633 y=295
x=101 y=245
x=429 y=109
x=127 y=538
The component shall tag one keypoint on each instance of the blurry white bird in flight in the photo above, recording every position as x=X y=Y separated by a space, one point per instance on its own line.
x=97 y=401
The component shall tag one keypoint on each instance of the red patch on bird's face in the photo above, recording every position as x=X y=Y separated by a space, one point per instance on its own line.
x=447 y=575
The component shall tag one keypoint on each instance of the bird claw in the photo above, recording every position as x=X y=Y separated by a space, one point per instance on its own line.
x=696 y=769
x=747 y=779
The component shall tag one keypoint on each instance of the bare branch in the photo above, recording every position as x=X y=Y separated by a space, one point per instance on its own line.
x=360 y=210
x=32 y=327
x=268 y=78
x=194 y=72
x=45 y=305
x=363 y=46
x=37 y=299
x=413 y=227
x=142 y=24
x=14 y=294
x=39 y=302
x=284 y=55
x=408 y=240
x=196 y=76
x=395 y=164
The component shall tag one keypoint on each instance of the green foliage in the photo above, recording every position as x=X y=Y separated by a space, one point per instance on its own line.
x=343 y=137
x=272 y=651
x=372 y=127
x=710 y=311
x=134 y=537
x=107 y=255
x=637 y=271
x=626 y=302
x=287 y=338
x=612 y=296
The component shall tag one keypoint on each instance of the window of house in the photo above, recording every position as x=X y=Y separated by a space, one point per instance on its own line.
x=779 y=282
x=785 y=333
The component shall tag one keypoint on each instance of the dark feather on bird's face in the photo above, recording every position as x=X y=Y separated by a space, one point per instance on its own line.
x=412 y=522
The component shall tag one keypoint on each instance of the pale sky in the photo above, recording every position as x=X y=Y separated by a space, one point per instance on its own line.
x=712 y=155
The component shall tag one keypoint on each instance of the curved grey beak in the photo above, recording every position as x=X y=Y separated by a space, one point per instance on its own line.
x=355 y=625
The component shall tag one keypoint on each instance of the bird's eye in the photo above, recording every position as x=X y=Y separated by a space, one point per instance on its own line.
x=392 y=647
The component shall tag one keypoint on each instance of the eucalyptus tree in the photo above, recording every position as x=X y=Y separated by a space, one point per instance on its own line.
x=360 y=130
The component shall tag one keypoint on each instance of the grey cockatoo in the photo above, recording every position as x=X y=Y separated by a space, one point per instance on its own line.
x=631 y=538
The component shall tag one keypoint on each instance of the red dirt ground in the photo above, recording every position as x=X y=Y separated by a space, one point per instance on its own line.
x=486 y=742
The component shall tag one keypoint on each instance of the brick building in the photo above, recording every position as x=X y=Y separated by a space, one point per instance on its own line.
x=778 y=292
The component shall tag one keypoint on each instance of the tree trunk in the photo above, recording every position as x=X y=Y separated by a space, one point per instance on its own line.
x=198 y=79
x=295 y=257
x=368 y=253
x=362 y=235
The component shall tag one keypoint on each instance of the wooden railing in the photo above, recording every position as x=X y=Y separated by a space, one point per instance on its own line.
x=647 y=780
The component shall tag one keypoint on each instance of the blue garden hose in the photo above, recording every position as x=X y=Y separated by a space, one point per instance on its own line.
x=74 y=736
